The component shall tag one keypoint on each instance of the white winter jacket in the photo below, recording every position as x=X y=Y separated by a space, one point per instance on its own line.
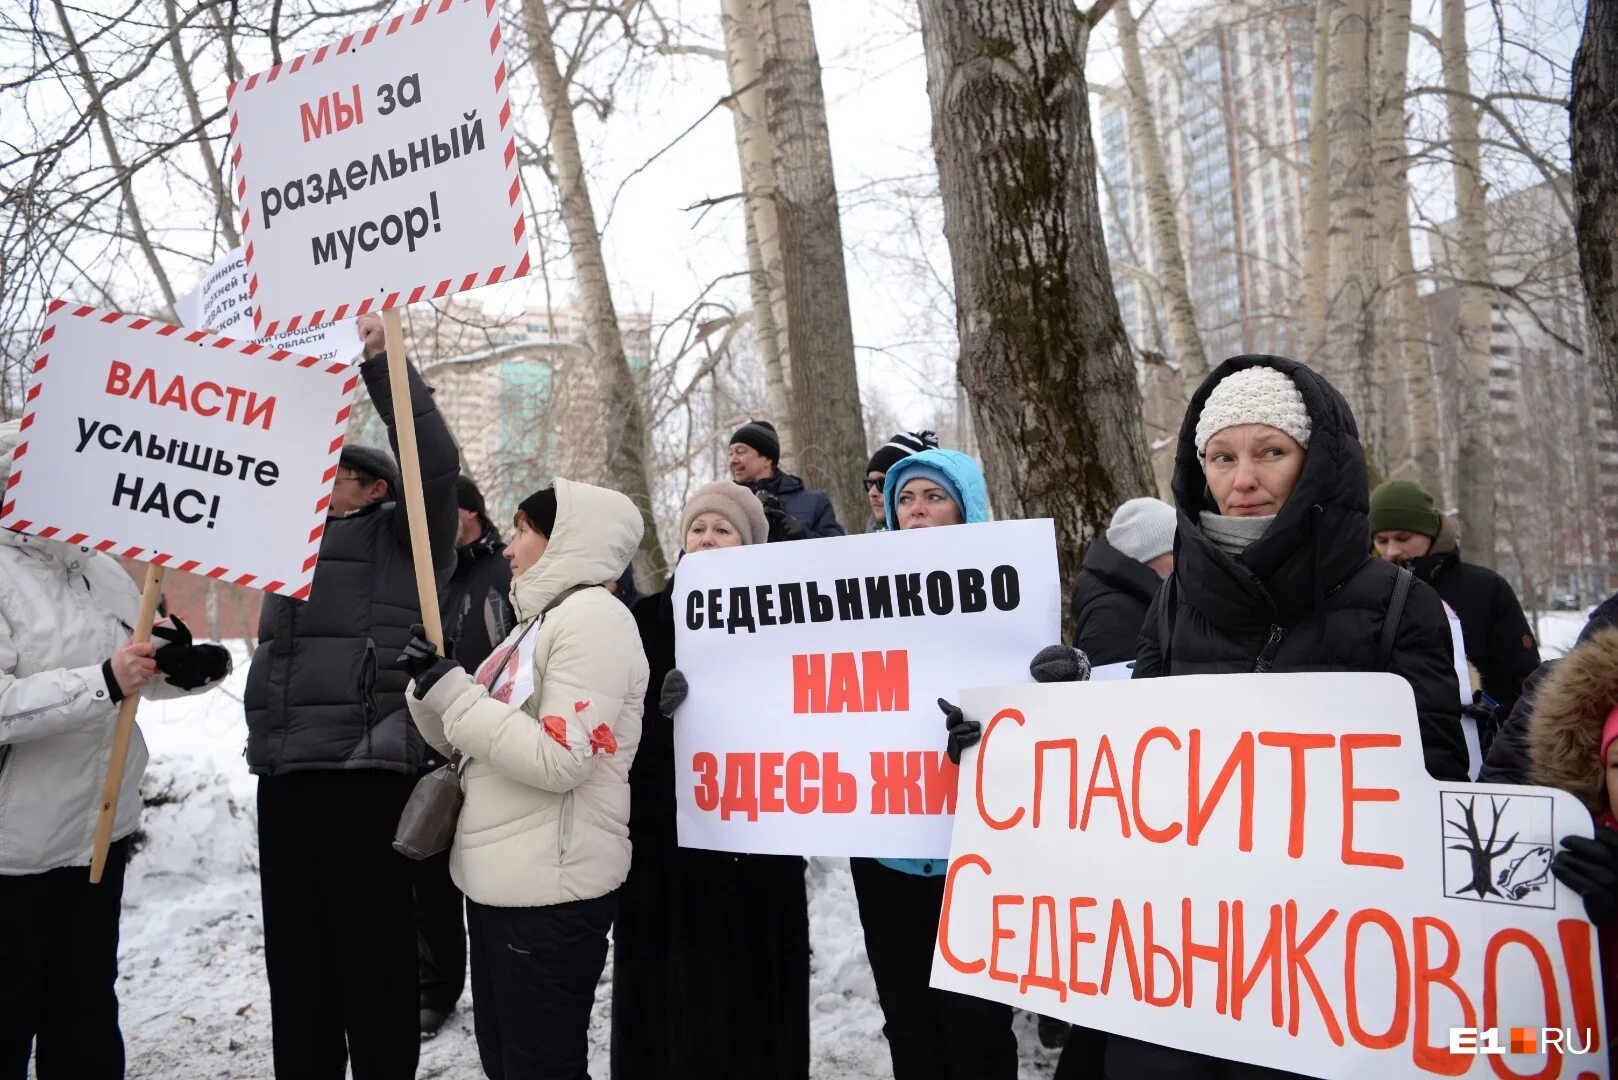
x=546 y=817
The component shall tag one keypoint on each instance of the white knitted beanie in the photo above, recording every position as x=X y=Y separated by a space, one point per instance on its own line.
x=1143 y=529
x=1255 y=395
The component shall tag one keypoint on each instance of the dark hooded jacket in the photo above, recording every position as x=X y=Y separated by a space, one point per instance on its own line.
x=812 y=508
x=1508 y=756
x=1498 y=640
x=1306 y=596
x=325 y=690
x=476 y=605
x=1110 y=598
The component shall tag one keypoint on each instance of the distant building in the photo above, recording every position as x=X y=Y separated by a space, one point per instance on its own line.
x=1556 y=459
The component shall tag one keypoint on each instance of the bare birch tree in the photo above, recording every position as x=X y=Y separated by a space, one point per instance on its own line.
x=826 y=417
x=1173 y=285
x=1317 y=210
x=1043 y=350
x=602 y=437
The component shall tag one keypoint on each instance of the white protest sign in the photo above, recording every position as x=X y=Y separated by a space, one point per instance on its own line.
x=224 y=304
x=813 y=726
x=1258 y=867
x=184 y=449
x=380 y=170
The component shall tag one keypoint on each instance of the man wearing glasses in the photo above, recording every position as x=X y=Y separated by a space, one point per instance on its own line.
x=336 y=756
x=886 y=457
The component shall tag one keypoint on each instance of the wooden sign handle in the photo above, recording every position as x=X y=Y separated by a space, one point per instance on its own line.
x=125 y=730
x=404 y=425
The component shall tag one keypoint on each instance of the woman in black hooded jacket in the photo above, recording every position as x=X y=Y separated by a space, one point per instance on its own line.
x=1279 y=577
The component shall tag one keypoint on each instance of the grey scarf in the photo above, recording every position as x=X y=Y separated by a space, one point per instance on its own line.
x=1232 y=535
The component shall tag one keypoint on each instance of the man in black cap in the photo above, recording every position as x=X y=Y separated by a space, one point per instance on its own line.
x=755 y=456
x=886 y=457
x=336 y=755
x=476 y=609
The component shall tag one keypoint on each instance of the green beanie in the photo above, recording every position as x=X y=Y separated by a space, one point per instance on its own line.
x=1405 y=507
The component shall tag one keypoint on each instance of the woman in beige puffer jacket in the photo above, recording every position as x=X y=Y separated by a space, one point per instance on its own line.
x=549 y=727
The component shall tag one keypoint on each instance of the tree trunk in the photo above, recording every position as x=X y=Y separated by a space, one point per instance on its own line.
x=137 y=223
x=1474 y=466
x=1043 y=349
x=1317 y=207
x=826 y=417
x=1352 y=266
x=763 y=227
x=224 y=205
x=1176 y=290
x=1402 y=303
x=601 y=436
x=1595 y=182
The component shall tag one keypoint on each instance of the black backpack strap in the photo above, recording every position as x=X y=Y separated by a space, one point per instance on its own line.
x=1165 y=620
x=1396 y=610
x=556 y=601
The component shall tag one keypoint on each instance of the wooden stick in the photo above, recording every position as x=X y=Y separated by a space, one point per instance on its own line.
x=125 y=731
x=404 y=424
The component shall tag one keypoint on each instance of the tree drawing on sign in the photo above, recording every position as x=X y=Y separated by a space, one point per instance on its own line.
x=1482 y=854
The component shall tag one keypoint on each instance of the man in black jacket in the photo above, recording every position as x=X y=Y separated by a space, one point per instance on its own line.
x=477 y=615
x=1409 y=531
x=1122 y=572
x=755 y=462
x=336 y=754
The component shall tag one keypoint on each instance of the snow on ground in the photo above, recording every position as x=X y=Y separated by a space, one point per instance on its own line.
x=195 y=1002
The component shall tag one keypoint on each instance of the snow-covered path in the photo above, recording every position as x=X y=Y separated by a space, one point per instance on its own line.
x=194 y=998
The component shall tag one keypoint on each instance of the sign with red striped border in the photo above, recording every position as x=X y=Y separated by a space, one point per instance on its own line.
x=186 y=449
x=379 y=170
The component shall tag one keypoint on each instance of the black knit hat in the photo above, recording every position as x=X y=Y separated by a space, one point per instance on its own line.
x=372 y=462
x=900 y=447
x=761 y=436
x=540 y=508
x=468 y=497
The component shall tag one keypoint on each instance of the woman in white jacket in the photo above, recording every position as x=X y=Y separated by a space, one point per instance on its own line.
x=66 y=661
x=549 y=727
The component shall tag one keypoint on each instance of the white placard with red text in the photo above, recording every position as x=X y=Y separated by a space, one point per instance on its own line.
x=181 y=448
x=223 y=304
x=379 y=170
x=822 y=735
x=1258 y=867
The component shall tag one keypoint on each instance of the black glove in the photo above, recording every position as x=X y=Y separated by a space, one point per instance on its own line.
x=1485 y=713
x=420 y=660
x=783 y=526
x=185 y=664
x=673 y=694
x=962 y=732
x=1590 y=868
x=1060 y=663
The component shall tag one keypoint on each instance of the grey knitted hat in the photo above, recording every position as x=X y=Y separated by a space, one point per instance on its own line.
x=1143 y=529
x=1255 y=395
x=732 y=502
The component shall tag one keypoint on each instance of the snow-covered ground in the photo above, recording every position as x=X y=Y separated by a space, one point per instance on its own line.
x=195 y=1003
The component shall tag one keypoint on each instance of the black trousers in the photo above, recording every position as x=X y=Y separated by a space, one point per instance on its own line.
x=534 y=975
x=339 y=925
x=440 y=934
x=58 y=964
x=932 y=1034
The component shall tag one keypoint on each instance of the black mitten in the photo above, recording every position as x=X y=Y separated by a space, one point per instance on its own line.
x=1590 y=868
x=186 y=664
x=420 y=660
x=962 y=732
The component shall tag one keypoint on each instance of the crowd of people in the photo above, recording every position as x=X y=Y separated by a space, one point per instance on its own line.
x=555 y=699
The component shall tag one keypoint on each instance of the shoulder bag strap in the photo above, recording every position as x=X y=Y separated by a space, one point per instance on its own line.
x=1396 y=610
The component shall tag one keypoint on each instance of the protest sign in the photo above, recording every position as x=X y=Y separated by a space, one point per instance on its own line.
x=224 y=305
x=1258 y=867
x=813 y=726
x=182 y=449
x=380 y=170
